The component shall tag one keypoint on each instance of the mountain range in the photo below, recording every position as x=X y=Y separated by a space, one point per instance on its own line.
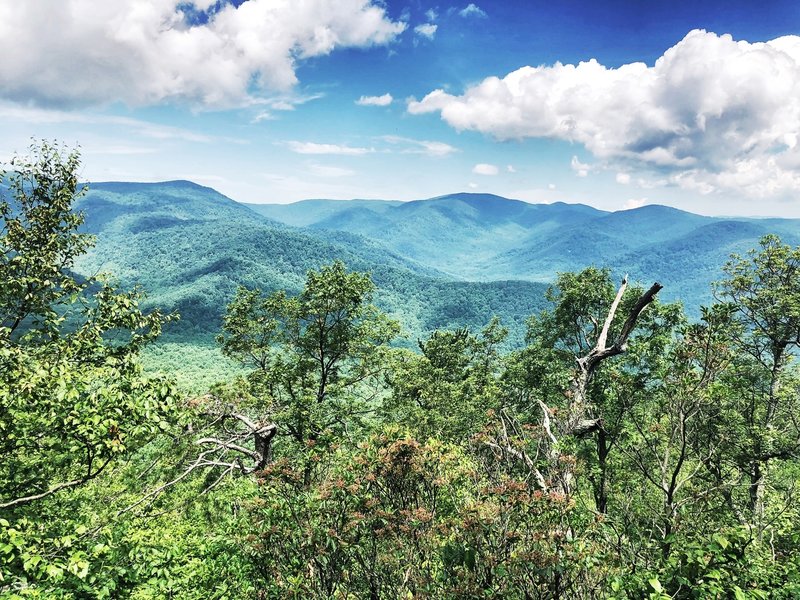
x=445 y=262
x=189 y=247
x=483 y=237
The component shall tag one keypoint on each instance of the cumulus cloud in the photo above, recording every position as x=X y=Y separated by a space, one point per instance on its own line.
x=314 y=148
x=77 y=52
x=427 y=147
x=623 y=178
x=384 y=100
x=711 y=114
x=581 y=169
x=511 y=169
x=427 y=30
x=472 y=10
x=485 y=169
x=431 y=14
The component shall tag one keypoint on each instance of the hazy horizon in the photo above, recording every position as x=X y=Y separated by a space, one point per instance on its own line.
x=614 y=105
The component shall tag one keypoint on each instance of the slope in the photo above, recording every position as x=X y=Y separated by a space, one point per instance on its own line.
x=459 y=234
x=309 y=212
x=484 y=237
x=190 y=247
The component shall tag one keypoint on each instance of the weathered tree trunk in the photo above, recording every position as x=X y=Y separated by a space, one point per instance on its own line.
x=579 y=417
x=263 y=444
x=601 y=493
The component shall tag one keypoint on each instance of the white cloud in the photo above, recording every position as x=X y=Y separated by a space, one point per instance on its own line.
x=433 y=148
x=623 y=178
x=485 y=169
x=330 y=171
x=711 y=113
x=314 y=148
x=384 y=100
x=77 y=52
x=431 y=14
x=551 y=186
x=634 y=203
x=581 y=169
x=264 y=115
x=511 y=169
x=279 y=104
x=427 y=147
x=139 y=127
x=472 y=10
x=473 y=186
x=427 y=30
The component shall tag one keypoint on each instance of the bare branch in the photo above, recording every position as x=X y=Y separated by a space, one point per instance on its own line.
x=56 y=488
x=601 y=340
x=230 y=445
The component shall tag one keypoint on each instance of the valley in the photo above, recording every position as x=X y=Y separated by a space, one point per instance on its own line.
x=441 y=263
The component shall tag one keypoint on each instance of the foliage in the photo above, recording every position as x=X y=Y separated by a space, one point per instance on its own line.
x=446 y=389
x=400 y=518
x=313 y=358
x=327 y=463
x=73 y=399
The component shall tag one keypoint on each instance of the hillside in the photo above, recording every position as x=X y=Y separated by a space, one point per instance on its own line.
x=190 y=247
x=459 y=234
x=483 y=237
x=309 y=212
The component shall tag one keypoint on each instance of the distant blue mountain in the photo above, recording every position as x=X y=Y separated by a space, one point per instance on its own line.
x=308 y=212
x=190 y=247
x=483 y=237
x=457 y=234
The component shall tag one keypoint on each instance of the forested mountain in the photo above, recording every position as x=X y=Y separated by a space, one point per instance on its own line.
x=309 y=212
x=444 y=262
x=190 y=247
x=486 y=237
x=624 y=451
x=457 y=234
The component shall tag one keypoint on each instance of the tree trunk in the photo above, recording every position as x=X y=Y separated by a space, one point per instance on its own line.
x=756 y=503
x=600 y=492
x=579 y=417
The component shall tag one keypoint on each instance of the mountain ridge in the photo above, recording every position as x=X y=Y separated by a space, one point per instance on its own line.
x=486 y=237
x=189 y=247
x=457 y=238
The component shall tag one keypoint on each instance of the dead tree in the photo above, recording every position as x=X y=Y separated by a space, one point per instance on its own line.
x=239 y=445
x=578 y=418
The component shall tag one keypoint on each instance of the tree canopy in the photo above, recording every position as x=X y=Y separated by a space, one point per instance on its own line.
x=625 y=451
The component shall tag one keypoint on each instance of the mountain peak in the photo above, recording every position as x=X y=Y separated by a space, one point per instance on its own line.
x=471 y=196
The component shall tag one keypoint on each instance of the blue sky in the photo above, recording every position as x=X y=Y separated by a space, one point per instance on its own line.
x=614 y=104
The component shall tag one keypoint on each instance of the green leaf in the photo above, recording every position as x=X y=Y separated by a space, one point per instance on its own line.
x=656 y=584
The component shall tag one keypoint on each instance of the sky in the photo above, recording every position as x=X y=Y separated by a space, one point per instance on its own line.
x=615 y=104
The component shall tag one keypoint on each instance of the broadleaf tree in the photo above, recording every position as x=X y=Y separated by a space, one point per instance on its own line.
x=73 y=398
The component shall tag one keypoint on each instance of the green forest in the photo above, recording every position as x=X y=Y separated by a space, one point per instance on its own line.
x=621 y=450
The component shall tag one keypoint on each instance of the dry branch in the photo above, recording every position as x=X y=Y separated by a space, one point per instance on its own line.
x=579 y=419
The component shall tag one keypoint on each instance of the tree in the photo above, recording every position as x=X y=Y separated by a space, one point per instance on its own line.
x=446 y=389
x=315 y=362
x=762 y=293
x=581 y=407
x=73 y=398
